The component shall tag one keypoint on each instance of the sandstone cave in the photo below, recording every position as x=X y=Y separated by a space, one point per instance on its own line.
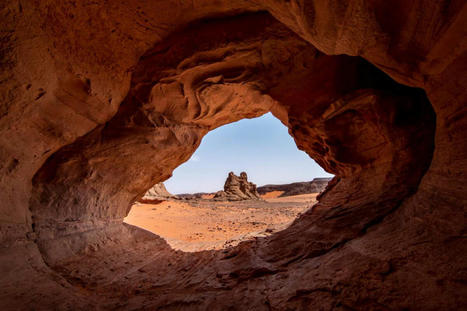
x=373 y=91
x=205 y=205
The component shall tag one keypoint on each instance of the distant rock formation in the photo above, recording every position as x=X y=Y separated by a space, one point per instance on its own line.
x=156 y=194
x=237 y=188
x=315 y=186
x=193 y=196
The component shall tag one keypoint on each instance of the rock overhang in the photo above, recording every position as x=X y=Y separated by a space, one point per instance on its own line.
x=379 y=140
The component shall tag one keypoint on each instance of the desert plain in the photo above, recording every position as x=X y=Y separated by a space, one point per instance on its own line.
x=203 y=224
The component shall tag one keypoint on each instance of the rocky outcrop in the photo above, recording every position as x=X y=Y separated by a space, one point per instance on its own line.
x=156 y=194
x=237 y=188
x=101 y=99
x=317 y=185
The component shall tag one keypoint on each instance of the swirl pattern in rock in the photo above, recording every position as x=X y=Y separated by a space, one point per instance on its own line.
x=95 y=92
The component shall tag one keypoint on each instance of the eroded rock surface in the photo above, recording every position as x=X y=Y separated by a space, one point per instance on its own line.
x=156 y=193
x=94 y=93
x=237 y=188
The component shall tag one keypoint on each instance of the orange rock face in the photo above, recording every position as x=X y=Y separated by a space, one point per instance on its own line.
x=97 y=94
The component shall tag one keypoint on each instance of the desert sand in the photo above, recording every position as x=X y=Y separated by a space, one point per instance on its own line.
x=197 y=225
x=272 y=194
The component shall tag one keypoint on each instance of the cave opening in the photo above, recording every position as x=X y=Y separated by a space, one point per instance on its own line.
x=202 y=206
x=346 y=114
x=103 y=100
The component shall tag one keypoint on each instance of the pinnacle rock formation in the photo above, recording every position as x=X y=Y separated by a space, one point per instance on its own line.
x=156 y=193
x=237 y=188
x=100 y=99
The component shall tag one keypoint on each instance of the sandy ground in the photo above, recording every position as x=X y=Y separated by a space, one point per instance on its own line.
x=272 y=194
x=203 y=224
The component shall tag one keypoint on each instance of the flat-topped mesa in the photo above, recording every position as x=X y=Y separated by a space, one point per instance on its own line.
x=237 y=188
x=317 y=185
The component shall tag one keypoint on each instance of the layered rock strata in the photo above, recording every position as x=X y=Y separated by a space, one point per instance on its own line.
x=94 y=93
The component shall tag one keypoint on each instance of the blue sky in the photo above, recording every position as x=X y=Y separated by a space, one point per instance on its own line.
x=262 y=147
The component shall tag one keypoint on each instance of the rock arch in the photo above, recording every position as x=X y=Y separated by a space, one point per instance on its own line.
x=386 y=234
